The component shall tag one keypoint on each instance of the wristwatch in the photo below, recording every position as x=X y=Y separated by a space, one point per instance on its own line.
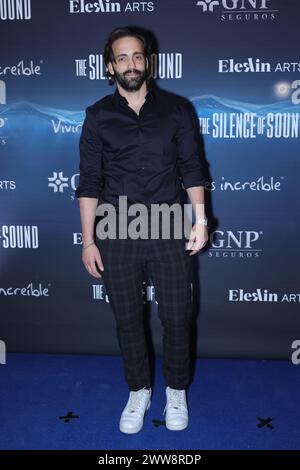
x=201 y=221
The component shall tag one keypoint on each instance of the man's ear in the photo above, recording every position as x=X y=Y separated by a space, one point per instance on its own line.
x=110 y=68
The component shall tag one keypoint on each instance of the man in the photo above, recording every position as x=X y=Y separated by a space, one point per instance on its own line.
x=138 y=142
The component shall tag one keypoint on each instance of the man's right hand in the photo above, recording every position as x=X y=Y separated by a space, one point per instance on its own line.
x=91 y=258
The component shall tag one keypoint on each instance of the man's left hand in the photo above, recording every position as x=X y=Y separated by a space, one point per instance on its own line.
x=198 y=238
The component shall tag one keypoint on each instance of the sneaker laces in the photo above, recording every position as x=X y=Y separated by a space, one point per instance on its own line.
x=135 y=400
x=176 y=398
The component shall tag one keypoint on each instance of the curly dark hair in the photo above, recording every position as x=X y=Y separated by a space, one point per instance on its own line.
x=126 y=31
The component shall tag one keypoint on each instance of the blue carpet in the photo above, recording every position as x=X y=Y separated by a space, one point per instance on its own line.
x=226 y=399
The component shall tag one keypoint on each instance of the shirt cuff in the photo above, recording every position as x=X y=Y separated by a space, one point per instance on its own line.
x=190 y=181
x=86 y=193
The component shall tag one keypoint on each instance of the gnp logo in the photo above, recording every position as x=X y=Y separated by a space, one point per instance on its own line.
x=240 y=244
x=237 y=10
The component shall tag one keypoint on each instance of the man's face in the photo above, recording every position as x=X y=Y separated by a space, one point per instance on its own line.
x=129 y=68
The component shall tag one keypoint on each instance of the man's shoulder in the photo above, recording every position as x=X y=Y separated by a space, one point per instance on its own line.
x=101 y=104
x=171 y=97
x=179 y=106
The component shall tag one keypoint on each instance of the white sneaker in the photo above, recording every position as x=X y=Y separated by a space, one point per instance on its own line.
x=176 y=410
x=132 y=417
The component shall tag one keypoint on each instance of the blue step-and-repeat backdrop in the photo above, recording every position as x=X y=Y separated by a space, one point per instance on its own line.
x=238 y=62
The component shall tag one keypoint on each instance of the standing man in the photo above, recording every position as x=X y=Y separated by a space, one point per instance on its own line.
x=137 y=142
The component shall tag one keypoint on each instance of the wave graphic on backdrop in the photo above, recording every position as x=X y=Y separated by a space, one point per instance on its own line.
x=214 y=103
x=24 y=113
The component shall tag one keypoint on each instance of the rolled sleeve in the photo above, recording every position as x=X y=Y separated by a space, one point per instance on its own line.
x=90 y=165
x=188 y=160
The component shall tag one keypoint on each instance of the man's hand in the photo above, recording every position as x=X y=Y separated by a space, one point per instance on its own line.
x=198 y=238
x=91 y=258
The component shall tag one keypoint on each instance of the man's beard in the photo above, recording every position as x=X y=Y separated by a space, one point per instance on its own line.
x=131 y=83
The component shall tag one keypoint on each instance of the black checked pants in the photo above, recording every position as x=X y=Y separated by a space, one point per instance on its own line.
x=168 y=264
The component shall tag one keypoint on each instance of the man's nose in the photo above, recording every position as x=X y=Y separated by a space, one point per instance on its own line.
x=131 y=62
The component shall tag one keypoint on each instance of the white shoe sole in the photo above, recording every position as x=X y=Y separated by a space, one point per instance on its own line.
x=178 y=427
x=138 y=428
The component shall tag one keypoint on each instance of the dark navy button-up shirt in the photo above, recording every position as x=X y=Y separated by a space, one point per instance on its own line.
x=145 y=156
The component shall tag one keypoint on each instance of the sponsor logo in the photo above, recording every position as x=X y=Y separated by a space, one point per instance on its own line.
x=21 y=69
x=27 y=291
x=262 y=295
x=147 y=293
x=249 y=125
x=59 y=183
x=108 y=6
x=238 y=10
x=15 y=9
x=19 y=236
x=235 y=244
x=163 y=65
x=251 y=65
x=6 y=185
x=60 y=127
x=262 y=184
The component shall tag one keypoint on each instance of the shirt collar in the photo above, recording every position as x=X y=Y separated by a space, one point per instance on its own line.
x=120 y=99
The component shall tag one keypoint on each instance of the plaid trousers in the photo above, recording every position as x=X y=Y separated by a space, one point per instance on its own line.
x=169 y=266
